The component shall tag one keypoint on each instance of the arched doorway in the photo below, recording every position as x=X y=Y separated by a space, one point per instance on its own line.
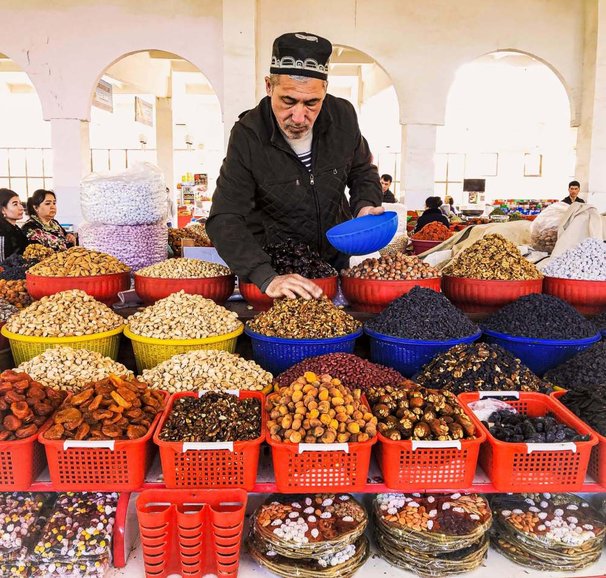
x=157 y=107
x=25 y=138
x=508 y=122
x=357 y=77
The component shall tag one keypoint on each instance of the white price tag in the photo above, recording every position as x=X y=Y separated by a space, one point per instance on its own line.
x=562 y=447
x=104 y=444
x=202 y=446
x=512 y=394
x=418 y=444
x=323 y=448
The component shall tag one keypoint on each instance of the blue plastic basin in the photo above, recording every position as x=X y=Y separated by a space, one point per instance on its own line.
x=276 y=354
x=540 y=355
x=408 y=355
x=365 y=234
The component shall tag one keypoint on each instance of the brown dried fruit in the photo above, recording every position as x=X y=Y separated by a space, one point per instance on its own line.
x=67 y=414
x=82 y=397
x=134 y=432
x=54 y=432
x=82 y=432
x=43 y=408
x=95 y=403
x=25 y=432
x=11 y=423
x=111 y=431
x=20 y=409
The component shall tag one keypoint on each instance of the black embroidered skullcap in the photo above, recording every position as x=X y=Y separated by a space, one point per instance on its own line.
x=301 y=54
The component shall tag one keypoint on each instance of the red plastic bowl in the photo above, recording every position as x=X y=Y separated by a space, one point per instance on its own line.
x=419 y=246
x=262 y=302
x=373 y=295
x=486 y=296
x=104 y=288
x=587 y=297
x=219 y=289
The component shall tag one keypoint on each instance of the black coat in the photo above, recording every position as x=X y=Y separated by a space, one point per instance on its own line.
x=12 y=239
x=388 y=197
x=429 y=216
x=569 y=201
x=265 y=194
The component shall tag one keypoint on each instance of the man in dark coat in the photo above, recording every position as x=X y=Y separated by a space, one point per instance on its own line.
x=574 y=187
x=287 y=165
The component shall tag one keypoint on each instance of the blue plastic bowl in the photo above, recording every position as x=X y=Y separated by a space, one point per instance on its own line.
x=540 y=355
x=408 y=355
x=275 y=354
x=365 y=234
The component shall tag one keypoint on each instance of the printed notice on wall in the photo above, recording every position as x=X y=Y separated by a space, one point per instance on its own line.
x=103 y=97
x=144 y=112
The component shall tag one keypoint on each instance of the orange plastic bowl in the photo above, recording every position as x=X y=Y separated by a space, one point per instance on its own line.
x=151 y=289
x=262 y=302
x=587 y=297
x=486 y=296
x=419 y=246
x=104 y=288
x=373 y=295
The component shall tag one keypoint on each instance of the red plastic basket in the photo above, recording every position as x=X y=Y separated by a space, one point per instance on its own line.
x=432 y=465
x=522 y=467
x=99 y=466
x=21 y=462
x=597 y=461
x=587 y=297
x=373 y=295
x=486 y=296
x=210 y=465
x=262 y=302
x=151 y=289
x=191 y=533
x=420 y=245
x=104 y=288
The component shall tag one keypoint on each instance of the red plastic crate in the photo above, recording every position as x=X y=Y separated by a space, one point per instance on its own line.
x=21 y=462
x=210 y=466
x=93 y=466
x=522 y=467
x=151 y=289
x=597 y=461
x=191 y=532
x=433 y=465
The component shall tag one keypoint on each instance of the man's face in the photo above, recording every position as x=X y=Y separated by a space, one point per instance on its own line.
x=573 y=191
x=296 y=104
x=385 y=185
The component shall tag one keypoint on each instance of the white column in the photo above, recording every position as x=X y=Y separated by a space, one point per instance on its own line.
x=417 y=164
x=164 y=141
x=591 y=137
x=239 y=60
x=71 y=162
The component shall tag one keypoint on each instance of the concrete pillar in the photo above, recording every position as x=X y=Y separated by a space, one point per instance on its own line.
x=164 y=141
x=417 y=164
x=239 y=60
x=71 y=162
x=591 y=136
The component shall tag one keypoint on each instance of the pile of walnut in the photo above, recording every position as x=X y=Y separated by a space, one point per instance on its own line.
x=319 y=409
x=111 y=409
x=25 y=405
x=416 y=413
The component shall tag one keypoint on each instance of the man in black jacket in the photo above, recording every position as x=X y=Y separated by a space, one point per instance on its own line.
x=287 y=164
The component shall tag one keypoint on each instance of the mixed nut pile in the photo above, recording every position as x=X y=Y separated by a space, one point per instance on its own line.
x=183 y=268
x=492 y=257
x=207 y=369
x=78 y=262
x=422 y=314
x=213 y=417
x=303 y=319
x=171 y=318
x=6 y=310
x=416 y=413
x=65 y=314
x=319 y=409
x=24 y=405
x=478 y=367
x=70 y=369
x=114 y=408
x=396 y=267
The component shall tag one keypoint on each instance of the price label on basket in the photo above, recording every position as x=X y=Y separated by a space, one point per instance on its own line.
x=235 y=392
x=102 y=444
x=202 y=446
x=421 y=444
x=323 y=448
x=555 y=447
x=512 y=394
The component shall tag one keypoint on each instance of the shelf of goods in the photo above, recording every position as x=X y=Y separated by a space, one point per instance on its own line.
x=126 y=526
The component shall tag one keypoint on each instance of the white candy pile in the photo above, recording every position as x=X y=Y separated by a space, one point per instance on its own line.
x=585 y=261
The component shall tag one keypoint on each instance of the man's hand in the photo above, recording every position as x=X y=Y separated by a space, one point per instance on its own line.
x=293 y=286
x=70 y=238
x=370 y=211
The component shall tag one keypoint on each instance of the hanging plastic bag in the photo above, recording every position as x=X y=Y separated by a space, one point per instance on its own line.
x=544 y=229
x=136 y=196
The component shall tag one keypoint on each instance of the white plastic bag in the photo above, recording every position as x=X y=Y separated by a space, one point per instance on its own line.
x=137 y=246
x=136 y=196
x=544 y=229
